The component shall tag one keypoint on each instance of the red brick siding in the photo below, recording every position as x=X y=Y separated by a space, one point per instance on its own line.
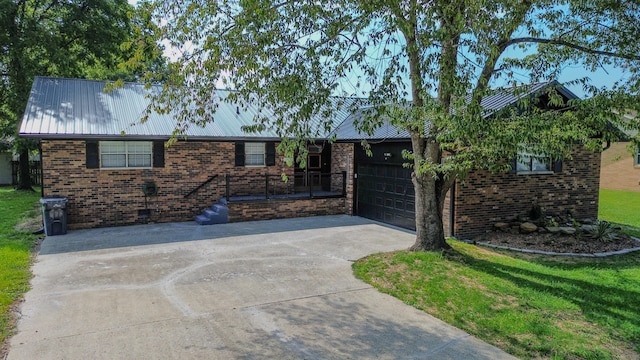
x=284 y=208
x=108 y=197
x=485 y=198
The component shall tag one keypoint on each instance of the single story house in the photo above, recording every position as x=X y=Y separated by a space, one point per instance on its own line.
x=116 y=171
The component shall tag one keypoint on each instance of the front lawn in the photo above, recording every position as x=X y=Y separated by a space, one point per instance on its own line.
x=15 y=251
x=530 y=306
x=620 y=207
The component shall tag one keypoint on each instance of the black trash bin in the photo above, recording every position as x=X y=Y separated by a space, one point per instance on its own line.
x=54 y=216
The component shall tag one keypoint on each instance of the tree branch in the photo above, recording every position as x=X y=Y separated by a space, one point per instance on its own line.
x=571 y=45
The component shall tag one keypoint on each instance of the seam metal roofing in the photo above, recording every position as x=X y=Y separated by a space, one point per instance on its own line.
x=76 y=108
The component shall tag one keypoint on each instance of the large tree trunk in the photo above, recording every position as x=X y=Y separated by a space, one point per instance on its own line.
x=24 y=175
x=429 y=209
x=429 y=195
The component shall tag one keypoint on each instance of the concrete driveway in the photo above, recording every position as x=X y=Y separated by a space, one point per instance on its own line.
x=279 y=289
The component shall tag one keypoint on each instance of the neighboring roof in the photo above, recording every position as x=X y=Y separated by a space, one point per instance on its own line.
x=76 y=108
x=501 y=99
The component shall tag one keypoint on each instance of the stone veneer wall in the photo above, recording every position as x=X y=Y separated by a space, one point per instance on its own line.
x=485 y=198
x=342 y=159
x=111 y=197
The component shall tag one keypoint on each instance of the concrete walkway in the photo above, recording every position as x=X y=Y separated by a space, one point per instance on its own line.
x=278 y=289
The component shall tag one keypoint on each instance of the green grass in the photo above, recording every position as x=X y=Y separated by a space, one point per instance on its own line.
x=15 y=251
x=530 y=306
x=620 y=207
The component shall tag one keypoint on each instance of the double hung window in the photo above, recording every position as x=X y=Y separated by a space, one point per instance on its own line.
x=126 y=154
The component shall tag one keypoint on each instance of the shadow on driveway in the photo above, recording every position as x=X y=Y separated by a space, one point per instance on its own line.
x=150 y=234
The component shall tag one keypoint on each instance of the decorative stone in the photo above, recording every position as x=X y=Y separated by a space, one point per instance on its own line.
x=567 y=230
x=553 y=229
x=528 y=227
x=501 y=225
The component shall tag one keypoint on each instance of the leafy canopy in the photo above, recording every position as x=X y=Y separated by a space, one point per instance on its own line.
x=425 y=66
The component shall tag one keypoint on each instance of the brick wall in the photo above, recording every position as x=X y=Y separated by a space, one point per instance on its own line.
x=109 y=197
x=284 y=208
x=342 y=159
x=485 y=198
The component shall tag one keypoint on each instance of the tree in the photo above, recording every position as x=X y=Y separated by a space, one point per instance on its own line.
x=424 y=66
x=53 y=38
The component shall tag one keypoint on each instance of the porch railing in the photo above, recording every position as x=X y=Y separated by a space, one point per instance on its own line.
x=273 y=186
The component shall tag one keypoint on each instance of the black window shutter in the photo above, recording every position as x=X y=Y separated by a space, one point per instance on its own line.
x=270 y=151
x=239 y=153
x=557 y=165
x=158 y=153
x=93 y=154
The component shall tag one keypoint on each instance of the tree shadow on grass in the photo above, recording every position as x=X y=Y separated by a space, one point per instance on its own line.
x=599 y=303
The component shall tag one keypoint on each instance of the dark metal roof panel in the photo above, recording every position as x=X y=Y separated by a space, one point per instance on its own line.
x=499 y=100
x=347 y=130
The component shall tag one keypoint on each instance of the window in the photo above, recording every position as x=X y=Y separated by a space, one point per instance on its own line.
x=638 y=157
x=531 y=163
x=254 y=154
x=121 y=154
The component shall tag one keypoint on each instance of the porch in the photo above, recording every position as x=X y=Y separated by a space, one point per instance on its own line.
x=270 y=196
x=312 y=185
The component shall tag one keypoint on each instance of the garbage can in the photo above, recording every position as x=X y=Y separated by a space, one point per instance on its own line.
x=54 y=215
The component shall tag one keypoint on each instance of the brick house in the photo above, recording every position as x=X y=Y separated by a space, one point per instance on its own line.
x=116 y=171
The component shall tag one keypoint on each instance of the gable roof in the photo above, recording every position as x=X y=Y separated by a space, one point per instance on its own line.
x=500 y=99
x=77 y=108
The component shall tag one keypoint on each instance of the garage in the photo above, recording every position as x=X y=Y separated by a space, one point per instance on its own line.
x=384 y=191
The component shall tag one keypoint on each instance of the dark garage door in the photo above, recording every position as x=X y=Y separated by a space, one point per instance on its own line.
x=385 y=193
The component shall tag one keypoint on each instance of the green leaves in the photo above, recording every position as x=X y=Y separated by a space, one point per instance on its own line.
x=50 y=38
x=423 y=67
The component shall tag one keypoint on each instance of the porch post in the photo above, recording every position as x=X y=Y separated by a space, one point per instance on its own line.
x=226 y=179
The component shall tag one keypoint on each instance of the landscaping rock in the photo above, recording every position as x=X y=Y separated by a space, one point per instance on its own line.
x=553 y=229
x=567 y=230
x=528 y=227
x=501 y=225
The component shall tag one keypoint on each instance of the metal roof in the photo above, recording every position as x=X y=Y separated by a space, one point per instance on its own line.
x=499 y=100
x=76 y=108
x=347 y=130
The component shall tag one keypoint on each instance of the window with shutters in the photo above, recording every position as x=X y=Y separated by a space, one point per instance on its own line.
x=126 y=154
x=254 y=154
